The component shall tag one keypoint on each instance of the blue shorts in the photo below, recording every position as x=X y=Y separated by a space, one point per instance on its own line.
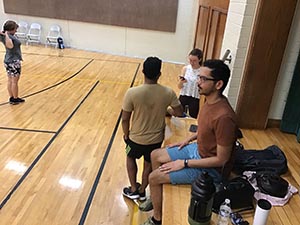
x=188 y=175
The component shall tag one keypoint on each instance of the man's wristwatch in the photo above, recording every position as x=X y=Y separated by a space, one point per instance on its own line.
x=186 y=165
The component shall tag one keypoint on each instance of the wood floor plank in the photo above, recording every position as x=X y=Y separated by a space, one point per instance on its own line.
x=18 y=149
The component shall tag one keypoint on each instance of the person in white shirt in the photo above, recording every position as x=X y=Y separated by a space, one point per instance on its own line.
x=187 y=83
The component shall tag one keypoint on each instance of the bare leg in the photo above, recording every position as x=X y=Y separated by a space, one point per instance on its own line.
x=145 y=177
x=157 y=179
x=132 y=172
x=9 y=85
x=158 y=157
x=14 y=86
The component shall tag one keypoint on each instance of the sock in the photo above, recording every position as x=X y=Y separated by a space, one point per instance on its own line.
x=158 y=222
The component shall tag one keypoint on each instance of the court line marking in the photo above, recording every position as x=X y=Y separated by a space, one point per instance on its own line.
x=39 y=156
x=85 y=79
x=54 y=85
x=70 y=77
x=101 y=168
x=28 y=130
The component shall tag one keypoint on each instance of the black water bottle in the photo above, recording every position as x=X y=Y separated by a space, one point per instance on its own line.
x=202 y=196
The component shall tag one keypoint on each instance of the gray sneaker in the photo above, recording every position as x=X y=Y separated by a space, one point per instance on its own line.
x=146 y=205
x=148 y=222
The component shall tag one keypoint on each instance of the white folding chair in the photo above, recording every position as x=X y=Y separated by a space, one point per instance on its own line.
x=21 y=33
x=34 y=33
x=53 y=34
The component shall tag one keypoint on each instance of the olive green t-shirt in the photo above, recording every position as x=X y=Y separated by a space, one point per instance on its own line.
x=148 y=104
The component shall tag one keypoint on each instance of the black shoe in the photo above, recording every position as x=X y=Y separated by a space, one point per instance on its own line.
x=142 y=196
x=132 y=195
x=13 y=101
x=129 y=194
x=20 y=100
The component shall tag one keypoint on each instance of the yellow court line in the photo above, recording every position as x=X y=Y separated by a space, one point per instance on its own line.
x=134 y=220
x=85 y=79
x=114 y=82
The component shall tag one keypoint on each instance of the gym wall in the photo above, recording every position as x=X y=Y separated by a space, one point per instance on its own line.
x=153 y=15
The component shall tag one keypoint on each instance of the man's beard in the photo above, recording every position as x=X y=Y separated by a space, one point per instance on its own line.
x=207 y=93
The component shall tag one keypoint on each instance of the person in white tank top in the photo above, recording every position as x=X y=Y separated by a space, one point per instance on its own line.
x=187 y=83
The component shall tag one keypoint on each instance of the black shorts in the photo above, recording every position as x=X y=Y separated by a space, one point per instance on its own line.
x=134 y=150
x=193 y=104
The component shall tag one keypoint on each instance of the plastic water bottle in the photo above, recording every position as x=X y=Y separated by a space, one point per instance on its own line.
x=224 y=213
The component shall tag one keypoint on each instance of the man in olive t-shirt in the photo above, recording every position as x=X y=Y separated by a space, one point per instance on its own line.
x=143 y=122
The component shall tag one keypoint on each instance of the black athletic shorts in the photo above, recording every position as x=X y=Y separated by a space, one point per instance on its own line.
x=135 y=150
x=192 y=103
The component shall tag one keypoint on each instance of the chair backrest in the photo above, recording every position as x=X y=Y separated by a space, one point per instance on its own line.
x=34 y=33
x=22 y=29
x=23 y=26
x=55 y=28
x=35 y=28
x=54 y=31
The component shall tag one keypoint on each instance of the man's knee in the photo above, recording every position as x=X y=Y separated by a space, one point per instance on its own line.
x=153 y=177
x=157 y=177
x=156 y=155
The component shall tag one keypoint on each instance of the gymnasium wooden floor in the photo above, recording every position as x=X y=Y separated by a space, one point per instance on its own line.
x=62 y=159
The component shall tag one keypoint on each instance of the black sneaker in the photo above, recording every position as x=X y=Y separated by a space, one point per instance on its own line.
x=129 y=194
x=20 y=100
x=142 y=196
x=13 y=101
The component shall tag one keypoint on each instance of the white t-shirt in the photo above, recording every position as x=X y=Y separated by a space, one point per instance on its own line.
x=190 y=88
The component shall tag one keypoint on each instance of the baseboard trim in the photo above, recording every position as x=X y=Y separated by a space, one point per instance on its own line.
x=272 y=123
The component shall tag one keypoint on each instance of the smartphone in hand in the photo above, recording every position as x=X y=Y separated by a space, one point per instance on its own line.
x=181 y=77
x=193 y=128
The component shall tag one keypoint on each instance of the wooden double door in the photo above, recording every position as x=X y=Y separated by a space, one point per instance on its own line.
x=268 y=40
x=210 y=27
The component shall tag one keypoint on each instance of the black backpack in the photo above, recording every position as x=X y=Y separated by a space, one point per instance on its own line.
x=239 y=191
x=60 y=43
x=270 y=159
x=272 y=184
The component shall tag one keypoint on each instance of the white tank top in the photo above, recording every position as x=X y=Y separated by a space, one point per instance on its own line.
x=190 y=88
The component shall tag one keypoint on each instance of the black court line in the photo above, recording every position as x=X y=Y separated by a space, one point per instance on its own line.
x=8 y=196
x=63 y=81
x=99 y=174
x=28 y=130
x=54 y=85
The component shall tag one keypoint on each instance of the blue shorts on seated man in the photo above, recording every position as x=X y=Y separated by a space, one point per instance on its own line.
x=188 y=175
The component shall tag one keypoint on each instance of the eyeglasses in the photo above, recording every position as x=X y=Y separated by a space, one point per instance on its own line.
x=204 y=78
